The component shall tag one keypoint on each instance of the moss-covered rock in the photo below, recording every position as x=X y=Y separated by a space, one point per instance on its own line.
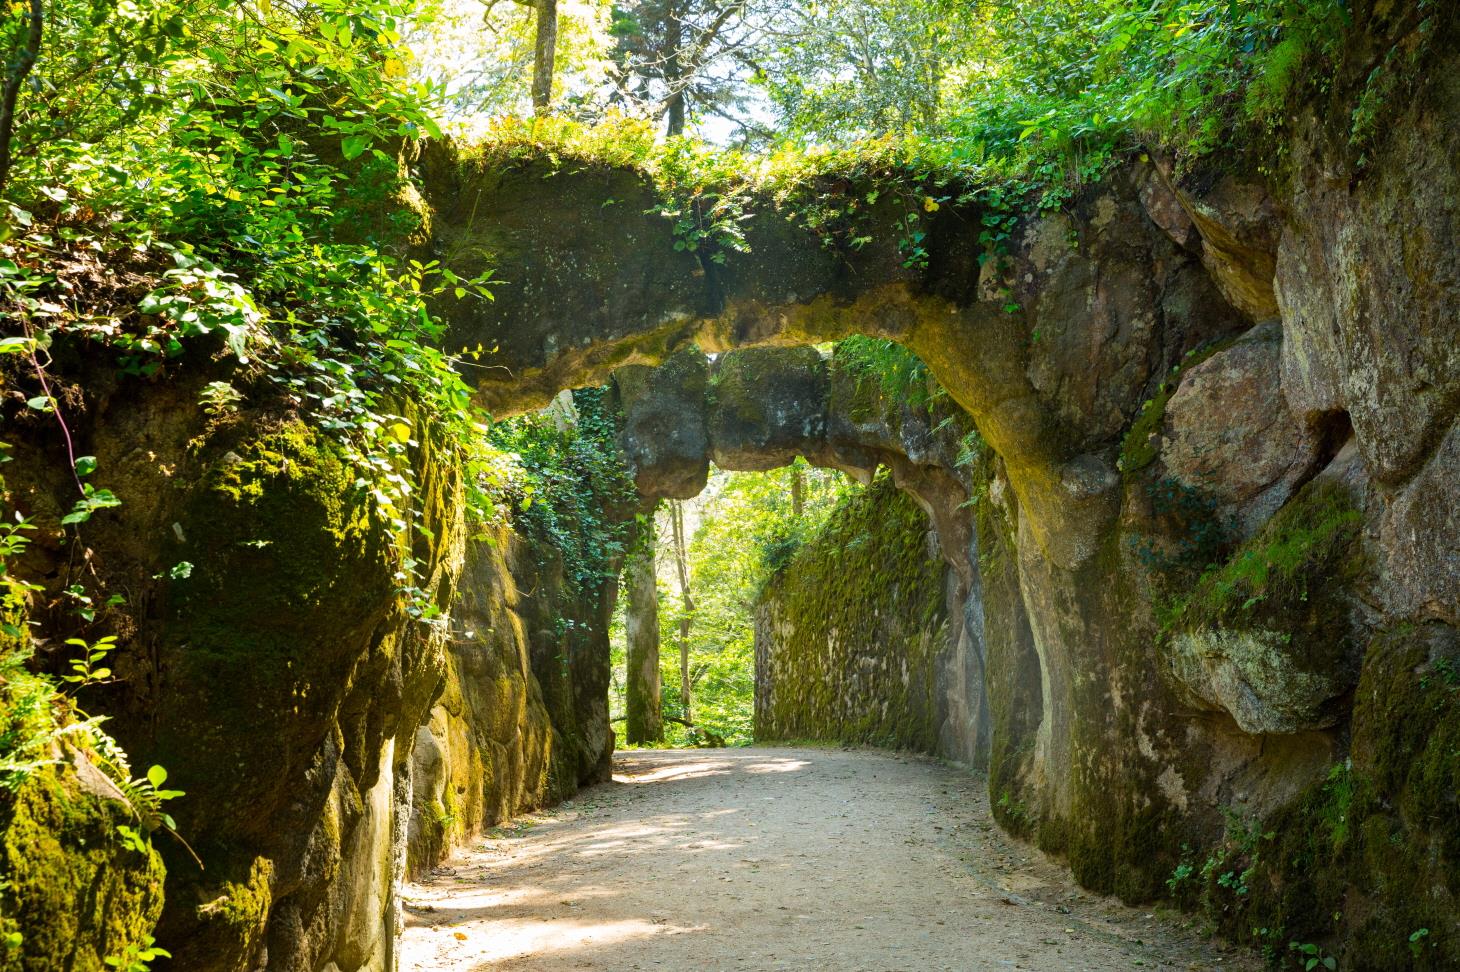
x=71 y=891
x=1269 y=636
x=490 y=748
x=1365 y=861
x=849 y=633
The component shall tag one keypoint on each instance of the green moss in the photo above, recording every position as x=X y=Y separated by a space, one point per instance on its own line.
x=292 y=576
x=73 y=892
x=1366 y=857
x=1306 y=550
x=233 y=916
x=860 y=619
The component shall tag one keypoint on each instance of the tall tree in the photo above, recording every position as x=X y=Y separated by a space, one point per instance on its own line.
x=840 y=70
x=25 y=48
x=676 y=56
x=644 y=720
x=687 y=606
x=545 y=51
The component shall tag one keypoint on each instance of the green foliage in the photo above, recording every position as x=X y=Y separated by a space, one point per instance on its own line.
x=28 y=724
x=574 y=490
x=1307 y=540
x=190 y=148
x=138 y=957
x=707 y=201
x=897 y=373
x=1312 y=957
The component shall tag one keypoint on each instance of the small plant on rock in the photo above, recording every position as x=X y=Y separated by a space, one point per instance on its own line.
x=1312 y=957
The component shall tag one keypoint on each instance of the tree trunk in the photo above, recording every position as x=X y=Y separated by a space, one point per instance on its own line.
x=681 y=561
x=674 y=73
x=798 y=490
x=545 y=56
x=644 y=723
x=25 y=59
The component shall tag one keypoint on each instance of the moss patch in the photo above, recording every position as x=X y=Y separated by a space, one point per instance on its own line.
x=1141 y=446
x=850 y=631
x=70 y=889
x=1367 y=861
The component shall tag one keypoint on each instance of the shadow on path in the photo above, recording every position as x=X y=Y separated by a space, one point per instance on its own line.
x=768 y=859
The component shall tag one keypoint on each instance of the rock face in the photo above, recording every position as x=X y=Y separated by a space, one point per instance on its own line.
x=851 y=635
x=1228 y=434
x=280 y=674
x=490 y=748
x=74 y=894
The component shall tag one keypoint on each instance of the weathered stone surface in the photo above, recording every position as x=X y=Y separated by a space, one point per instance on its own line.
x=1228 y=434
x=1250 y=675
x=781 y=403
x=1239 y=229
x=1012 y=343
x=1368 y=276
x=662 y=429
x=74 y=892
x=768 y=404
x=489 y=749
x=282 y=681
x=849 y=635
x=285 y=696
x=1419 y=540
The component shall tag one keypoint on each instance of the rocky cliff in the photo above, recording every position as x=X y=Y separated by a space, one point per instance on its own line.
x=282 y=654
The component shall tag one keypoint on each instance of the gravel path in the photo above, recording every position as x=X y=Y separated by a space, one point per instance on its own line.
x=766 y=859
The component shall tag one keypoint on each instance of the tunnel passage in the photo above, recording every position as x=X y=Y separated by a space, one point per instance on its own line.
x=759 y=408
x=1049 y=343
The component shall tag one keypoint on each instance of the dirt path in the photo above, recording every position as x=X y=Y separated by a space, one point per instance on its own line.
x=764 y=859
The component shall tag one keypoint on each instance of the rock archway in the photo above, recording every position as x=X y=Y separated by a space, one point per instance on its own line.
x=760 y=408
x=1049 y=351
x=1114 y=453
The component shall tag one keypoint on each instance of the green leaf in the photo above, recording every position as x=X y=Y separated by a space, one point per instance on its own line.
x=354 y=146
x=41 y=403
x=157 y=776
x=85 y=466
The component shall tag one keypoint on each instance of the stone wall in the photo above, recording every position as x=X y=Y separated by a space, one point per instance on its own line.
x=271 y=659
x=490 y=748
x=851 y=635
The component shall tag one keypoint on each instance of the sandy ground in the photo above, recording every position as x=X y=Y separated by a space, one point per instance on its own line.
x=764 y=859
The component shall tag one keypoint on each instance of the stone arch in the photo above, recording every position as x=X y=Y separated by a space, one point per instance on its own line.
x=1049 y=346
x=760 y=408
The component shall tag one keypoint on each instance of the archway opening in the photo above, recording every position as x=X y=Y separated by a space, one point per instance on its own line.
x=684 y=661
